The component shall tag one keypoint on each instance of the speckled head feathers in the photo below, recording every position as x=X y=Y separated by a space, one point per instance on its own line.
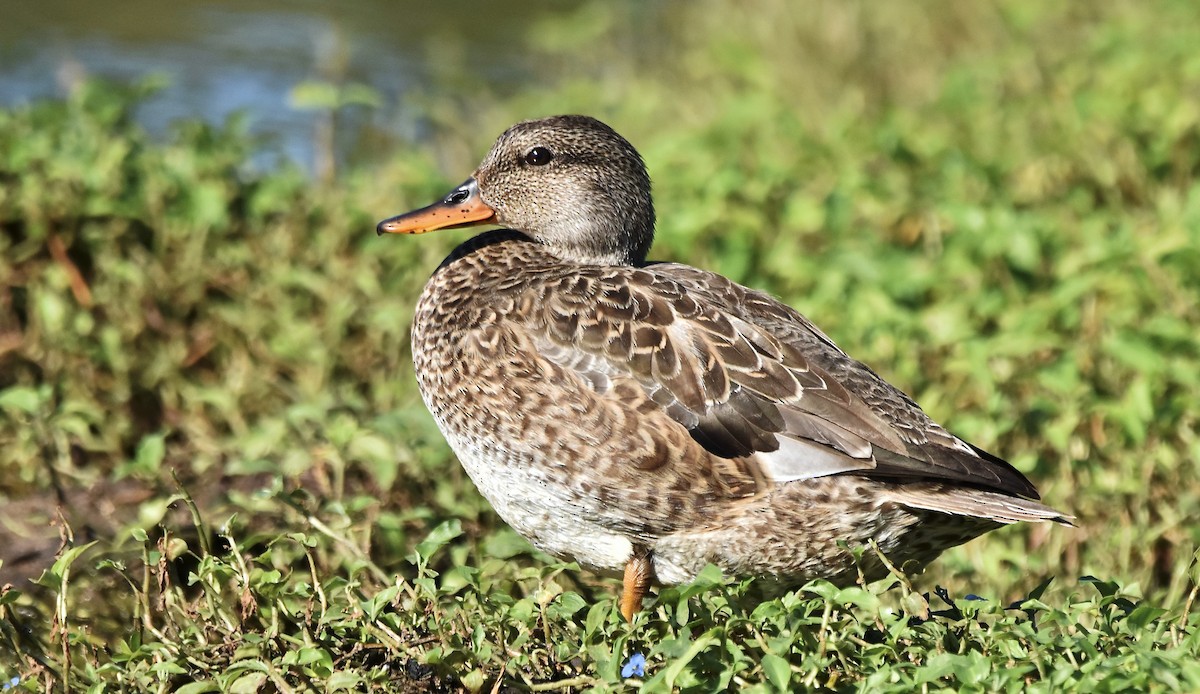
x=573 y=184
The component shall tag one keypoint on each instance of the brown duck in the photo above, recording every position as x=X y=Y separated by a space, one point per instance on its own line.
x=652 y=418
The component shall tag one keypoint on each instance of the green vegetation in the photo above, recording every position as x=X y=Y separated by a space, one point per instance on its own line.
x=207 y=368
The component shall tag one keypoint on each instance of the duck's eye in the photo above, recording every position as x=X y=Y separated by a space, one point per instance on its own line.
x=538 y=156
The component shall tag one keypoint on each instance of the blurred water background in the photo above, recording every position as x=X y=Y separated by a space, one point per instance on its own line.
x=287 y=67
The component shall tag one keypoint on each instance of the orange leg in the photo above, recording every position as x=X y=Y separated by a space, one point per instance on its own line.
x=637 y=582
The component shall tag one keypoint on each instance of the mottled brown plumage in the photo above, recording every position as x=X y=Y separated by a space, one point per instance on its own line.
x=636 y=417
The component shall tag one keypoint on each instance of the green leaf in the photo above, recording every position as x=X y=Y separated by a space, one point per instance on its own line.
x=1040 y=589
x=53 y=577
x=506 y=544
x=312 y=94
x=778 y=671
x=1143 y=615
x=248 y=683
x=473 y=680
x=1106 y=588
x=437 y=538
x=565 y=606
x=21 y=399
x=150 y=452
x=357 y=94
x=674 y=668
x=198 y=687
x=598 y=615
x=167 y=668
x=344 y=680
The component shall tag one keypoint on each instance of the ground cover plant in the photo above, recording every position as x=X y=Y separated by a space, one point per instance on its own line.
x=216 y=475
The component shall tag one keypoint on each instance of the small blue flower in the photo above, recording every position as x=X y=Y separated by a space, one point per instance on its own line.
x=10 y=684
x=635 y=666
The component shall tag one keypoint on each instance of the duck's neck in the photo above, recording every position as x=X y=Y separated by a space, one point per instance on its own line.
x=589 y=243
x=588 y=257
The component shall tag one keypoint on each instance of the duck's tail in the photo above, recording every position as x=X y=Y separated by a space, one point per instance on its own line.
x=976 y=503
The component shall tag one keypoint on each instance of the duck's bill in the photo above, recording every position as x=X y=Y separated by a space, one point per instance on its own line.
x=462 y=207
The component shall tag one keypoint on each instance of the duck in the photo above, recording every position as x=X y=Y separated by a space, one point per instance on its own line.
x=647 y=419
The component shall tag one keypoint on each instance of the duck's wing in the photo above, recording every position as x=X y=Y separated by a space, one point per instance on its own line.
x=748 y=377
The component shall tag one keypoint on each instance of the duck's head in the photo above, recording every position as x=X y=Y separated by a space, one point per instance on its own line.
x=570 y=183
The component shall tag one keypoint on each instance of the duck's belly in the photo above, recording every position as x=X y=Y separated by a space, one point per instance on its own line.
x=543 y=510
x=798 y=532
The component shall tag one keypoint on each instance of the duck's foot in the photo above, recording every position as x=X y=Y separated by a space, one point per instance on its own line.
x=638 y=574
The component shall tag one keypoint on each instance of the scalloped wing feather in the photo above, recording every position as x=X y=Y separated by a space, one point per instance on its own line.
x=748 y=377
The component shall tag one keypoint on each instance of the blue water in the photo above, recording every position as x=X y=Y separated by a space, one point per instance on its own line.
x=222 y=56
